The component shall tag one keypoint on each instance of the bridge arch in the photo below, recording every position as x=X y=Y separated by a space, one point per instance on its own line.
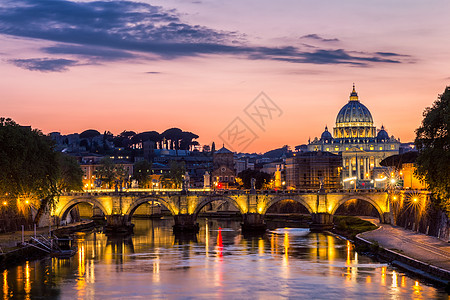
x=297 y=199
x=208 y=199
x=363 y=198
x=70 y=204
x=141 y=201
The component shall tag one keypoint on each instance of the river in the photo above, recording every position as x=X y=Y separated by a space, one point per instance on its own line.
x=218 y=263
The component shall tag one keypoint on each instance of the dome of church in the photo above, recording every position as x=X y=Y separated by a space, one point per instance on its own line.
x=354 y=111
x=326 y=135
x=382 y=135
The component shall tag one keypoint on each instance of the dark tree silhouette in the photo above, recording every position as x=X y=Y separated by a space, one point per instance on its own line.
x=261 y=178
x=433 y=142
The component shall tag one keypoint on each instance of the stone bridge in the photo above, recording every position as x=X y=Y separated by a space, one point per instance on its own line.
x=118 y=207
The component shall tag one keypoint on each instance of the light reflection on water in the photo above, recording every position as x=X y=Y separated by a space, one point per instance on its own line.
x=217 y=263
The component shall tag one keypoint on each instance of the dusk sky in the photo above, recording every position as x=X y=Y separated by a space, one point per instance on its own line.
x=69 y=66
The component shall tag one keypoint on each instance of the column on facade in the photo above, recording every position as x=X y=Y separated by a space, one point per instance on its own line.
x=349 y=167
x=366 y=160
x=366 y=169
x=363 y=167
x=358 y=171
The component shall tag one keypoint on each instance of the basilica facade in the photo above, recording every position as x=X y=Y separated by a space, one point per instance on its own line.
x=357 y=140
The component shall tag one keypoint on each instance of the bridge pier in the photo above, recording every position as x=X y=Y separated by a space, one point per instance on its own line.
x=185 y=223
x=118 y=223
x=253 y=222
x=386 y=218
x=321 y=221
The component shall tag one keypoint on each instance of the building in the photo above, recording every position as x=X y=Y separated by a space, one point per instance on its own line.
x=91 y=180
x=224 y=173
x=410 y=180
x=309 y=170
x=243 y=164
x=356 y=139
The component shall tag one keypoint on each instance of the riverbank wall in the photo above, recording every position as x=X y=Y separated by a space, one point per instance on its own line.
x=20 y=255
x=435 y=222
x=421 y=269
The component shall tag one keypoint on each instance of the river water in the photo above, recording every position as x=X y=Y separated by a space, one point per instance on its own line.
x=218 y=263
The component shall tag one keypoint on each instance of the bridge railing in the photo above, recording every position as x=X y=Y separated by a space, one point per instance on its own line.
x=208 y=191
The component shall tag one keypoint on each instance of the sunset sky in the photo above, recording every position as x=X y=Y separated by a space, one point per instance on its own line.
x=69 y=66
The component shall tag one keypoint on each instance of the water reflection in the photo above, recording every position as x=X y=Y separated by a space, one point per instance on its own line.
x=218 y=262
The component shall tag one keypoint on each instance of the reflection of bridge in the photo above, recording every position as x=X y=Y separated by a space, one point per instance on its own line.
x=118 y=207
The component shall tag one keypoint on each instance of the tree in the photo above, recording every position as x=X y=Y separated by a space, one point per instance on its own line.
x=433 y=142
x=172 y=137
x=175 y=176
x=28 y=165
x=106 y=171
x=69 y=176
x=187 y=140
x=89 y=134
x=261 y=178
x=397 y=160
x=27 y=159
x=141 y=172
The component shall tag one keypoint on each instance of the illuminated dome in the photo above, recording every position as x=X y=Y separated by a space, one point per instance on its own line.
x=354 y=111
x=382 y=135
x=326 y=135
x=354 y=120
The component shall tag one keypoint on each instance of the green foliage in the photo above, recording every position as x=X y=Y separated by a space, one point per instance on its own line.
x=109 y=173
x=142 y=171
x=433 y=142
x=397 y=160
x=29 y=168
x=27 y=161
x=261 y=178
x=174 y=178
x=351 y=226
x=106 y=171
x=70 y=175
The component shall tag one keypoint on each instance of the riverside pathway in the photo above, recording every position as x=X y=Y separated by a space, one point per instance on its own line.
x=421 y=247
x=9 y=240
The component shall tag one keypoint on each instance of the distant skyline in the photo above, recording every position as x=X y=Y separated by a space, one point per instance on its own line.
x=69 y=66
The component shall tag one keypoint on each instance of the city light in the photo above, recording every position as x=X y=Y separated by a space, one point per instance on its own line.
x=381 y=179
x=5 y=203
x=349 y=179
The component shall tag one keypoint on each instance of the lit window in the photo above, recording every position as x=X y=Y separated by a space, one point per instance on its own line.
x=381 y=148
x=392 y=147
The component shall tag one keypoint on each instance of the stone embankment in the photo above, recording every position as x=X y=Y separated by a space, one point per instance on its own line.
x=13 y=252
x=427 y=257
